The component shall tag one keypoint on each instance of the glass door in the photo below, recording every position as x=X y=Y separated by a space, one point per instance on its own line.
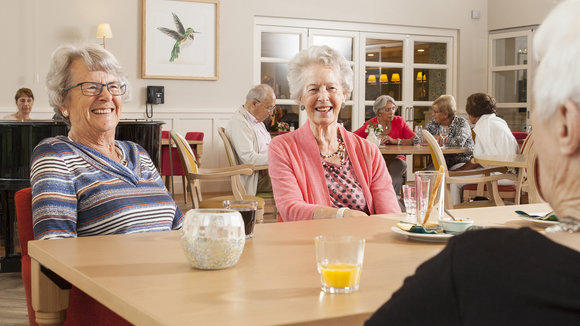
x=508 y=76
x=414 y=70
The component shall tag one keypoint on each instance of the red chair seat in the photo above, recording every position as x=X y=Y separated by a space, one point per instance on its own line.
x=502 y=188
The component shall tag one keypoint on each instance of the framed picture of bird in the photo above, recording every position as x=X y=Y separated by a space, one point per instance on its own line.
x=180 y=39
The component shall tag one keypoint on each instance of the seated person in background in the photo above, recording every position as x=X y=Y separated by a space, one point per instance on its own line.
x=24 y=101
x=492 y=134
x=88 y=183
x=321 y=170
x=249 y=137
x=458 y=130
x=395 y=132
x=517 y=276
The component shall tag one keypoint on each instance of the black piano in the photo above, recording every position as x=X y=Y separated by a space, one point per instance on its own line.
x=18 y=140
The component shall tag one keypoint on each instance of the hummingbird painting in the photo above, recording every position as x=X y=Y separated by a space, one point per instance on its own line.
x=183 y=37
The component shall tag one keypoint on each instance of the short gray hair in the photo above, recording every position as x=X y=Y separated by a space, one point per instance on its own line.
x=259 y=92
x=557 y=48
x=381 y=102
x=446 y=104
x=323 y=55
x=59 y=74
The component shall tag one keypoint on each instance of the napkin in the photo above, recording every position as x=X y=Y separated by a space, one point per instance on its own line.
x=550 y=216
x=417 y=228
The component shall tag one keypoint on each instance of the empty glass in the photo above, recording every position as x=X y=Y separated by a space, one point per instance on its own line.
x=444 y=134
x=419 y=135
x=410 y=200
x=430 y=196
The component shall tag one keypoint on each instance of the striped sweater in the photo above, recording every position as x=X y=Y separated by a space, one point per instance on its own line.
x=77 y=191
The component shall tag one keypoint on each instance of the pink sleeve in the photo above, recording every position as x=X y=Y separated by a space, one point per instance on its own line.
x=287 y=184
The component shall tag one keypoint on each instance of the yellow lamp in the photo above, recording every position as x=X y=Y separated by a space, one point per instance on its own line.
x=384 y=79
x=396 y=78
x=420 y=76
x=372 y=79
x=104 y=31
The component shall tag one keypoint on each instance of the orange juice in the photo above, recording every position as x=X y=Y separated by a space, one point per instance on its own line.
x=340 y=275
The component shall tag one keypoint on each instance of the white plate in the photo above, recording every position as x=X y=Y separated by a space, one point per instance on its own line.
x=540 y=223
x=425 y=237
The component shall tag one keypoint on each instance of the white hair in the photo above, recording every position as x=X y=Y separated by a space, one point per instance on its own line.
x=381 y=102
x=59 y=73
x=557 y=49
x=323 y=55
x=259 y=92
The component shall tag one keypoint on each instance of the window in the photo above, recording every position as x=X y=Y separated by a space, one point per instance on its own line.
x=509 y=68
x=413 y=65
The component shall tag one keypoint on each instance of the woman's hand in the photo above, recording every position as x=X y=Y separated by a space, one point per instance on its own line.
x=389 y=140
x=353 y=213
x=439 y=139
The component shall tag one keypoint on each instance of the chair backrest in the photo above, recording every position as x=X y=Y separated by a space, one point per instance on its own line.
x=23 y=203
x=531 y=177
x=187 y=158
x=436 y=153
x=230 y=153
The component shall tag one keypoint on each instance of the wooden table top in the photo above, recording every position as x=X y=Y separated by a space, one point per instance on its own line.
x=512 y=161
x=146 y=278
x=422 y=150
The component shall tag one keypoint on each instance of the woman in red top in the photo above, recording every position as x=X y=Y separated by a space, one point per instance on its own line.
x=395 y=132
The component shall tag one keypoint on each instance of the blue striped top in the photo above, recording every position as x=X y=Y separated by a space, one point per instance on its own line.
x=77 y=191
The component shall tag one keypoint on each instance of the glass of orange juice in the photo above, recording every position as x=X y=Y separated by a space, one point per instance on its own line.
x=339 y=260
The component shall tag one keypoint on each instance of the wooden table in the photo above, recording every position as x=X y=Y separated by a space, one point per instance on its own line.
x=511 y=161
x=146 y=279
x=418 y=150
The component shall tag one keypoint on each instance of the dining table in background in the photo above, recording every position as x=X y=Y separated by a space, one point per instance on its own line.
x=420 y=153
x=146 y=278
x=197 y=147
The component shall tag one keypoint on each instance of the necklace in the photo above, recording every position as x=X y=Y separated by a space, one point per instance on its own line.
x=566 y=224
x=340 y=152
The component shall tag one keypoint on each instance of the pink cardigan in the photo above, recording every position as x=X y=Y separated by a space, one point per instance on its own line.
x=298 y=178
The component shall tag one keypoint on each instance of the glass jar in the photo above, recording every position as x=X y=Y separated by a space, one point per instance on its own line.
x=213 y=238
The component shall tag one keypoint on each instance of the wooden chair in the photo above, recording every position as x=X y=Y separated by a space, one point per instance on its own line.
x=270 y=207
x=480 y=176
x=194 y=174
x=83 y=309
x=528 y=180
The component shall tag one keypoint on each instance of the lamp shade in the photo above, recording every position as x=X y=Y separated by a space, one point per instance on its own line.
x=396 y=78
x=104 y=31
x=384 y=79
x=420 y=76
x=372 y=79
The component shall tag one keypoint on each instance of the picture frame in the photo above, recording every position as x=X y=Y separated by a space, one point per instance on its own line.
x=180 y=39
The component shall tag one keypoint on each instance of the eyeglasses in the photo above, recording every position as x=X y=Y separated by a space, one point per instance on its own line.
x=391 y=109
x=94 y=88
x=269 y=108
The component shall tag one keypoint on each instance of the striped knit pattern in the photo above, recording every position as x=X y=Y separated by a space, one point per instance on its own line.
x=77 y=191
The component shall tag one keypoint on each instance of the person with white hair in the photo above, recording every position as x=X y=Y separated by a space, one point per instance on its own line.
x=87 y=183
x=517 y=276
x=249 y=137
x=322 y=170
x=395 y=132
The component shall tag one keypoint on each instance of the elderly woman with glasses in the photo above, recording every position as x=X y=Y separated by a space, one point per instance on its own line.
x=88 y=183
x=395 y=132
x=321 y=170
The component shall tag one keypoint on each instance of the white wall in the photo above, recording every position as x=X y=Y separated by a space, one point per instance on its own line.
x=501 y=12
x=39 y=26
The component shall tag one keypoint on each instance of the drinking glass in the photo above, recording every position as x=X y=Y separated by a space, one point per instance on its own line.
x=410 y=200
x=444 y=134
x=430 y=196
x=248 y=209
x=339 y=260
x=419 y=135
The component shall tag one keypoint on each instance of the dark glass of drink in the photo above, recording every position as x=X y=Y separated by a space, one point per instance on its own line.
x=247 y=209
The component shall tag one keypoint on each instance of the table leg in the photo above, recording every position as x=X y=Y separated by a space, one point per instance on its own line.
x=49 y=300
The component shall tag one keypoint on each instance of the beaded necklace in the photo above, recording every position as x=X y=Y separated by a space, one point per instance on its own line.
x=340 y=153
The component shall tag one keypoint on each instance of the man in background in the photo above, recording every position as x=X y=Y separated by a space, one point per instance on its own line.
x=249 y=137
